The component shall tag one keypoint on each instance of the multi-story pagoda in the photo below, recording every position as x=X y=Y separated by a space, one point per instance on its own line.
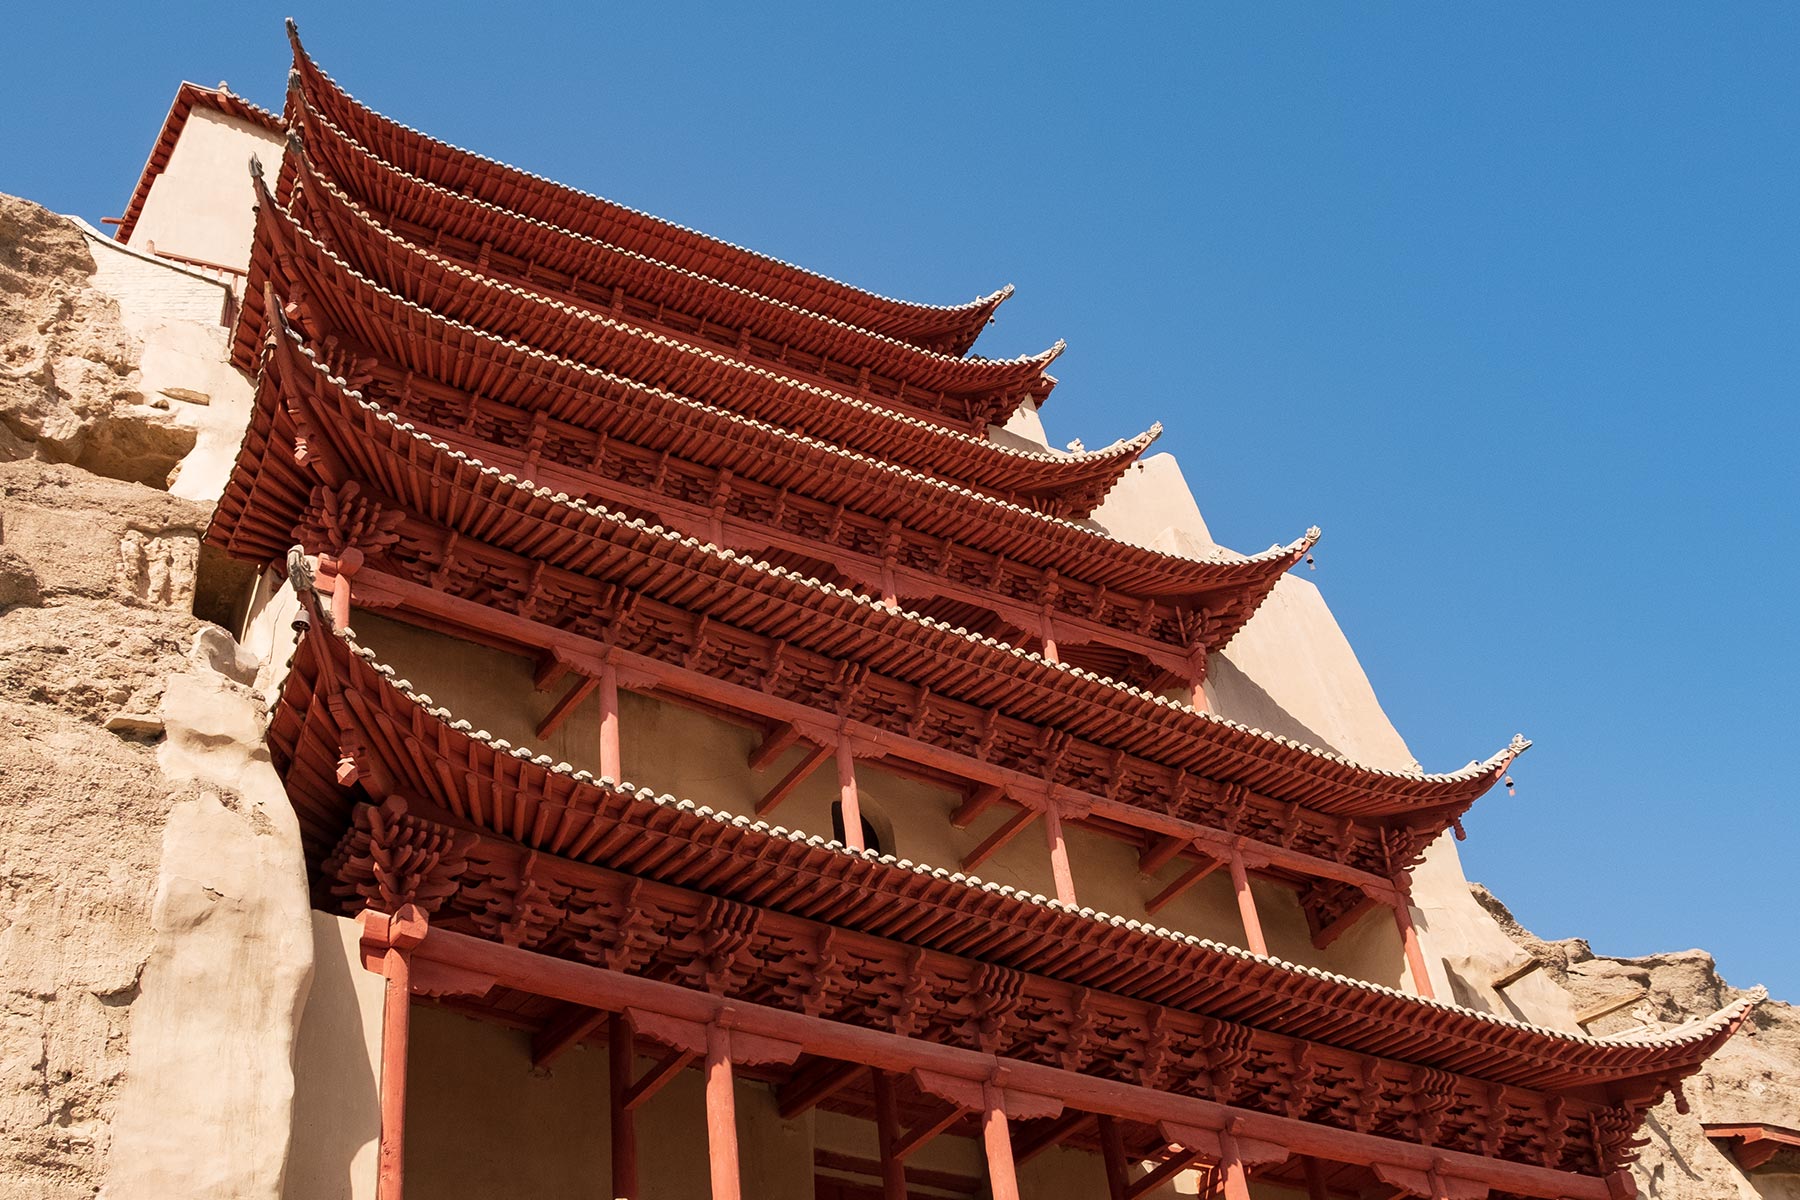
x=653 y=507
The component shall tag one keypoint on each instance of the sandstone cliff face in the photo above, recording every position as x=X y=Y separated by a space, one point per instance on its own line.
x=1754 y=1079
x=136 y=797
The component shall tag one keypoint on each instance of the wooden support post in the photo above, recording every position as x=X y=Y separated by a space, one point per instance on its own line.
x=1409 y=938
x=1240 y=882
x=1059 y=856
x=1003 y=1182
x=847 y=805
x=1008 y=830
x=397 y=934
x=1187 y=879
x=621 y=1048
x=1112 y=1153
x=887 y=1136
x=721 y=1116
x=782 y=790
x=1233 y=1179
x=1315 y=1178
x=1048 y=628
x=612 y=766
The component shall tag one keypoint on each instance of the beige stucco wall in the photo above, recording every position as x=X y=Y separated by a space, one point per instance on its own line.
x=201 y=206
x=337 y=1073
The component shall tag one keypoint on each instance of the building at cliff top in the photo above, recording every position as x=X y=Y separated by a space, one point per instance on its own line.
x=716 y=747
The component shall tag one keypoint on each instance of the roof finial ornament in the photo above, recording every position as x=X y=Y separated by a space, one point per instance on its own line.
x=256 y=168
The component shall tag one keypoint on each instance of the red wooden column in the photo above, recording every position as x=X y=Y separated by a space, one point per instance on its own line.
x=1003 y=1182
x=1315 y=1179
x=611 y=765
x=1059 y=854
x=1112 y=1153
x=1409 y=938
x=887 y=1134
x=620 y=1051
x=393 y=938
x=847 y=805
x=1240 y=882
x=721 y=1116
x=1234 y=1182
x=1047 y=631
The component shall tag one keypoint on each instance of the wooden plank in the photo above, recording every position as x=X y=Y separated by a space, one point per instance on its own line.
x=1608 y=1006
x=812 y=1085
x=1507 y=978
x=943 y=1118
x=560 y=711
x=666 y=1068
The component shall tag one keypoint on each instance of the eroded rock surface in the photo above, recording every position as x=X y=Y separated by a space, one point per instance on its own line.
x=1754 y=1079
x=152 y=902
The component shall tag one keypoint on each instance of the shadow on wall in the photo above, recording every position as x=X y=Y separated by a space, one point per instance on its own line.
x=1242 y=699
x=337 y=1104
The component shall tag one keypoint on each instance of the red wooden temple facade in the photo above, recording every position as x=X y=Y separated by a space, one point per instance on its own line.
x=667 y=470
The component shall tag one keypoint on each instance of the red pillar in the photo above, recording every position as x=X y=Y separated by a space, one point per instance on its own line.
x=1409 y=938
x=1112 y=1153
x=1049 y=635
x=610 y=764
x=620 y=1051
x=1003 y=1182
x=1234 y=1183
x=887 y=1132
x=1315 y=1179
x=401 y=932
x=1240 y=882
x=1059 y=855
x=721 y=1116
x=847 y=805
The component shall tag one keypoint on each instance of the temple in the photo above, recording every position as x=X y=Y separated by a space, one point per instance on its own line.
x=735 y=756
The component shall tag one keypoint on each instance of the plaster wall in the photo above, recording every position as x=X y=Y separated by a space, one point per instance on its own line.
x=202 y=205
x=337 y=1072
x=183 y=369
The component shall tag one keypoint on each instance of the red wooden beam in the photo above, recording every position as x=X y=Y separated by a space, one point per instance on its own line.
x=1003 y=1176
x=1177 y=1162
x=1040 y=1140
x=567 y=1031
x=483 y=964
x=770 y=748
x=493 y=627
x=560 y=711
x=1409 y=938
x=1341 y=924
x=941 y=1119
x=666 y=1068
x=792 y=780
x=1010 y=829
x=1164 y=850
x=978 y=802
x=813 y=1085
x=1188 y=879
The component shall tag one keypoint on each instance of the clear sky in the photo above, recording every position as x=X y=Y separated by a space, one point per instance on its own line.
x=1505 y=297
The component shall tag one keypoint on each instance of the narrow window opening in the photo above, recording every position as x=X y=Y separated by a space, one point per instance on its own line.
x=871 y=839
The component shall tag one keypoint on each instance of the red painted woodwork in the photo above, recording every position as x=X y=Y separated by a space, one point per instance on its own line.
x=487 y=404
x=1754 y=1145
x=621 y=1050
x=951 y=329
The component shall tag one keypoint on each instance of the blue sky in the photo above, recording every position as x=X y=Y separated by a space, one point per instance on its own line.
x=1506 y=298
